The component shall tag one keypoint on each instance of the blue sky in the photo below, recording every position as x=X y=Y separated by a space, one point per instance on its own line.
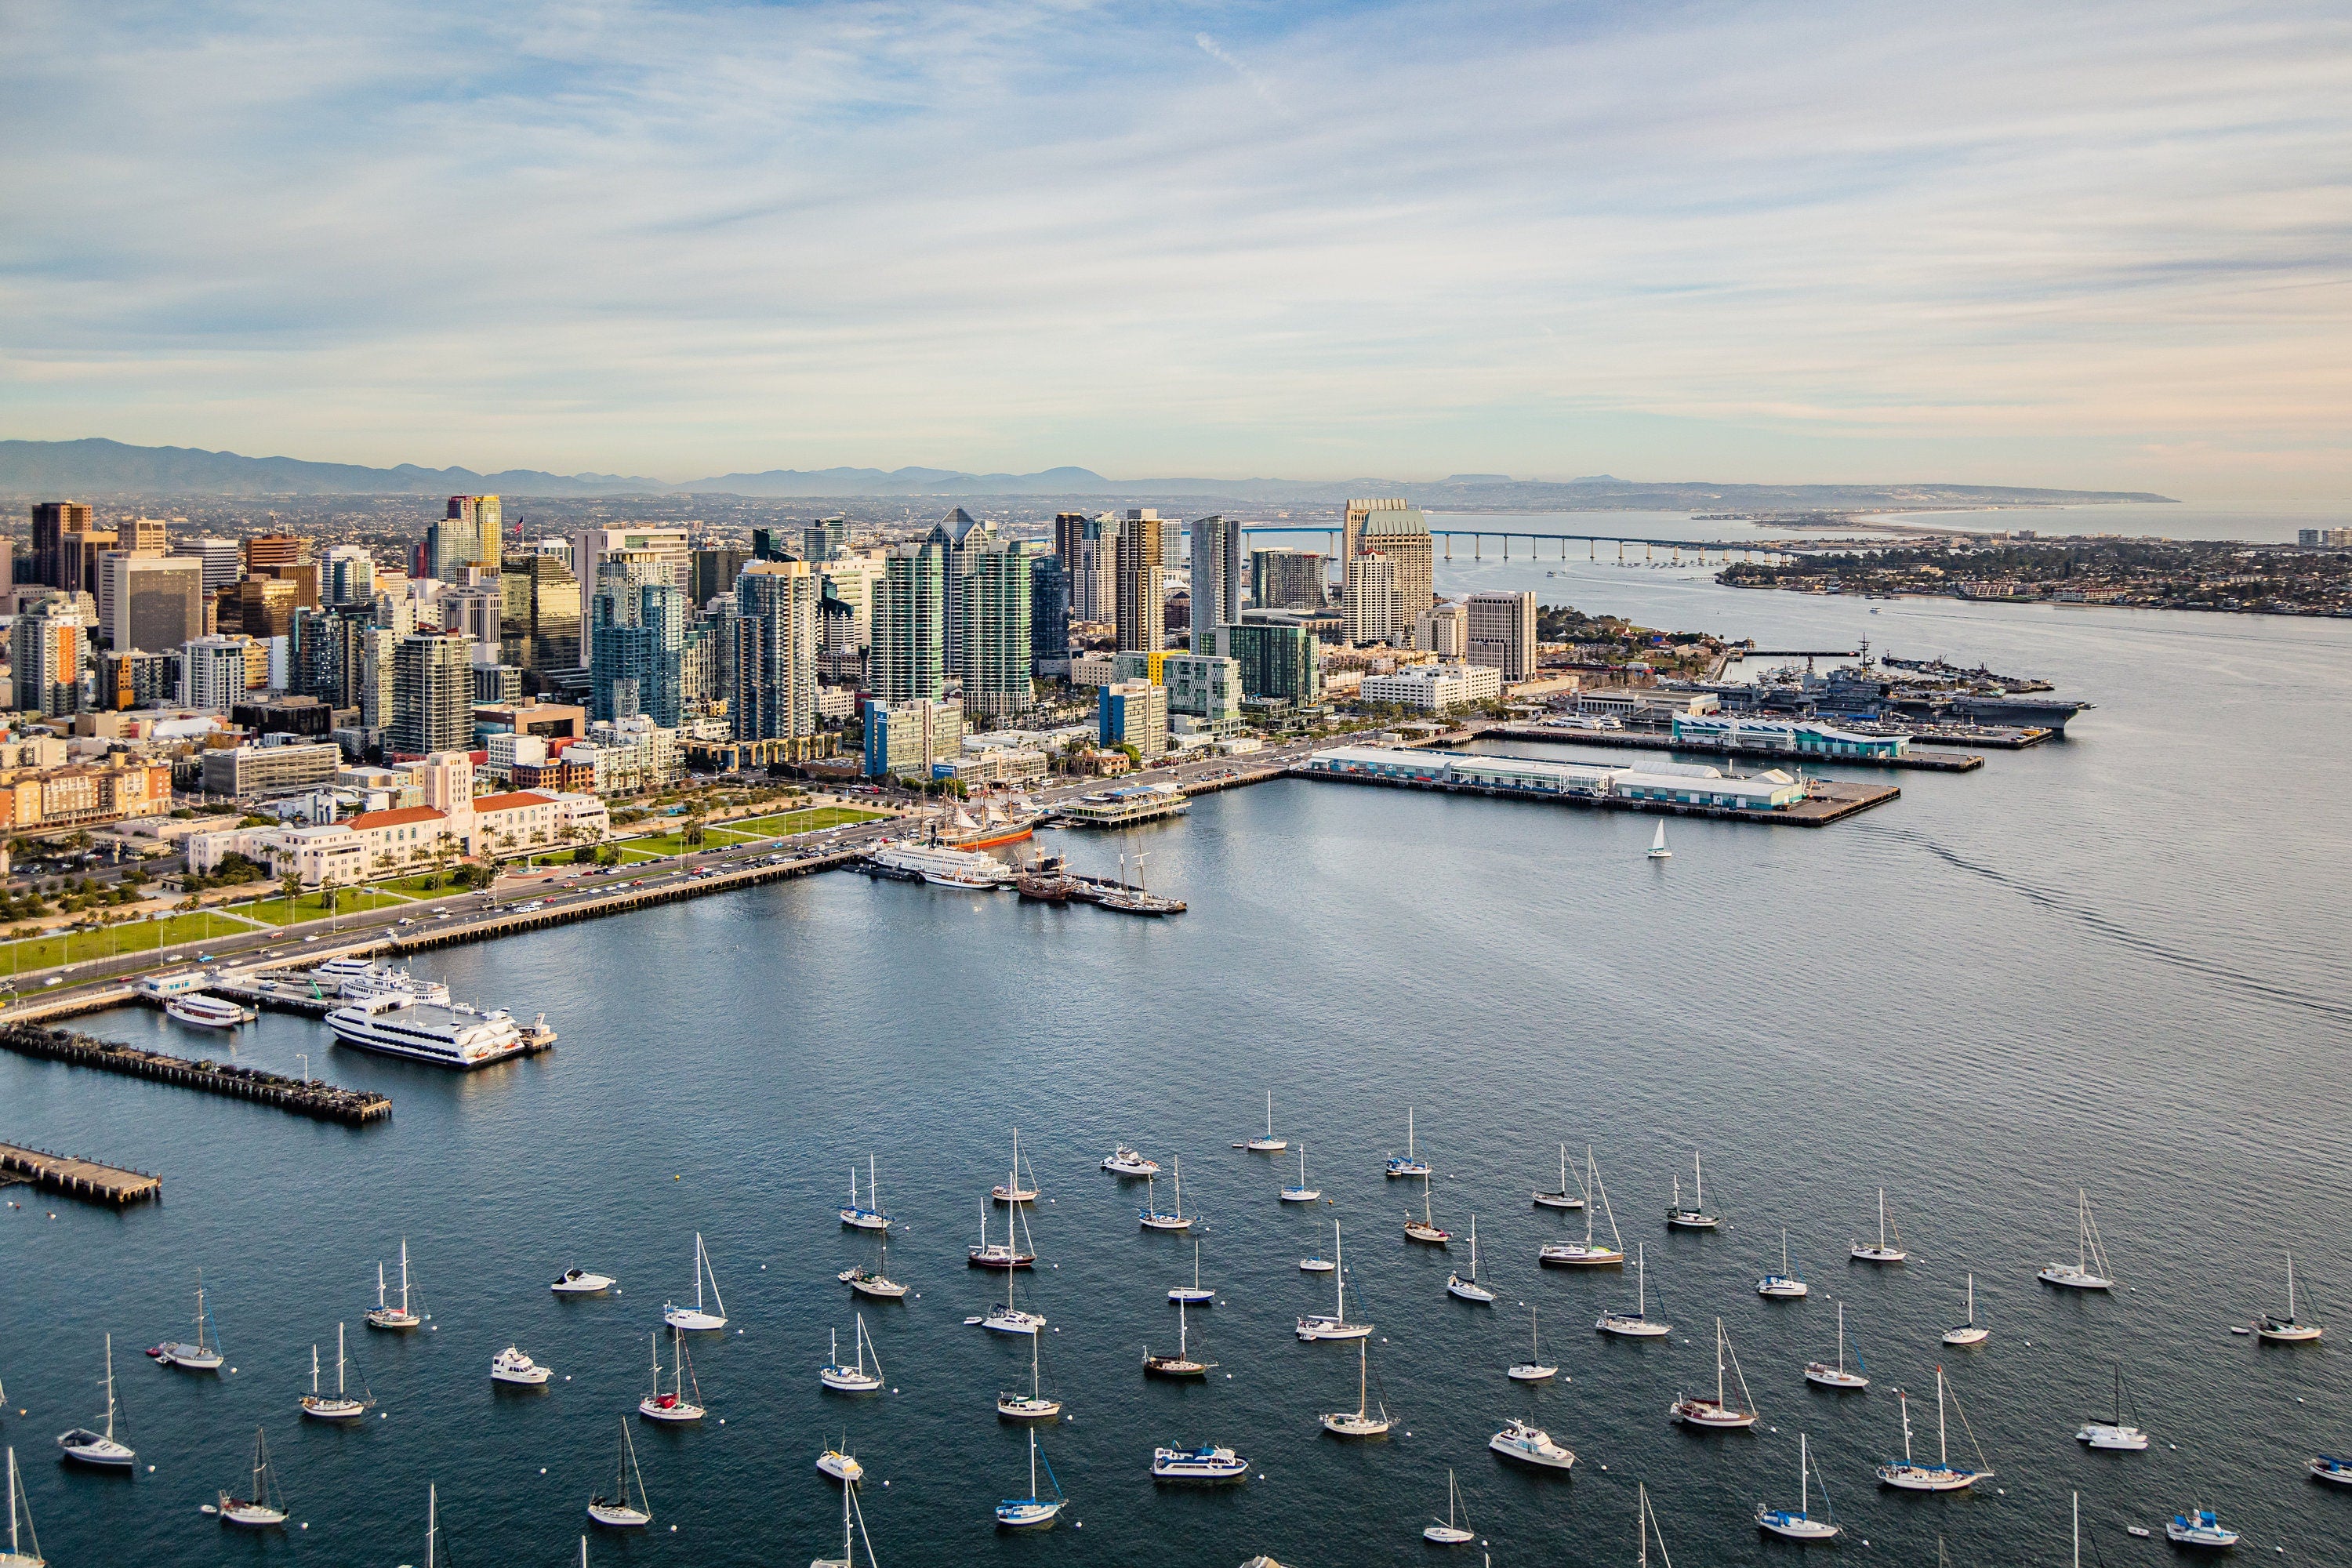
x=2097 y=245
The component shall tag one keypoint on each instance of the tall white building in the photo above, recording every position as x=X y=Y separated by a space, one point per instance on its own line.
x=1502 y=633
x=1370 y=610
x=212 y=673
x=1443 y=630
x=590 y=546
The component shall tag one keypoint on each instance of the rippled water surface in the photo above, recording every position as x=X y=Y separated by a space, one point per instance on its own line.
x=2117 y=964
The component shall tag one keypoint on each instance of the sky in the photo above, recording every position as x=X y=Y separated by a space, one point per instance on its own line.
x=2093 y=245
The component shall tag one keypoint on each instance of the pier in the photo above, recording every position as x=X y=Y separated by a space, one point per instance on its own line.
x=1825 y=801
x=77 y=1177
x=312 y=1098
x=1634 y=741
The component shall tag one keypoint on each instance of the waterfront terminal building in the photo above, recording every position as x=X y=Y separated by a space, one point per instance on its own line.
x=1684 y=783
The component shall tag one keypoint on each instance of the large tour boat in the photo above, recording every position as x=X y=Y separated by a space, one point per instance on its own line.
x=449 y=1036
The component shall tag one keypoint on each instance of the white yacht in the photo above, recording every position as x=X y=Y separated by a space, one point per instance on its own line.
x=1884 y=1251
x=2116 y=1434
x=627 y=1507
x=209 y=1012
x=1011 y=1190
x=1837 y=1377
x=1969 y=1333
x=840 y=1463
x=867 y=1215
x=1410 y=1163
x=1195 y=1294
x=1009 y=1319
x=1181 y=1364
x=845 y=1378
x=1535 y=1368
x=874 y=1281
x=2089 y=1270
x=443 y=1034
x=357 y=979
x=1028 y=1512
x=2201 y=1528
x=1205 y=1463
x=1363 y=1421
x=511 y=1365
x=1530 y=1445
x=1317 y=1326
x=582 y=1282
x=384 y=1315
x=1006 y=1254
x=1176 y=1219
x=99 y=1448
x=1126 y=1161
x=1636 y=1324
x=1455 y=1531
x=1693 y=1217
x=1033 y=1405
x=683 y=1402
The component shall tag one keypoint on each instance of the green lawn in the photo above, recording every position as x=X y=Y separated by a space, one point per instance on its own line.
x=809 y=819
x=313 y=906
x=177 y=933
x=414 y=885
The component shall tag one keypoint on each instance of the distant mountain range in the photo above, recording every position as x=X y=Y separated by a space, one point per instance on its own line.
x=101 y=468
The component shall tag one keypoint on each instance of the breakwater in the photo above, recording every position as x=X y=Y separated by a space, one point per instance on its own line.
x=324 y=1101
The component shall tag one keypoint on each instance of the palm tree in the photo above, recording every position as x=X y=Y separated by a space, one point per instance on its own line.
x=290 y=885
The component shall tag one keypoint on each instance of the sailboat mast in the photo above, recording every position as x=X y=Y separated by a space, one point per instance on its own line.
x=109 y=1385
x=1800 y=1473
x=1719 y=1363
x=1943 y=1454
x=339 y=1361
x=404 y=1275
x=1339 y=1272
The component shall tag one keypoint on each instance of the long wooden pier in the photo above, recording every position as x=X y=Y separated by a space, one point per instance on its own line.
x=1638 y=741
x=77 y=1177
x=311 y=1097
x=1826 y=801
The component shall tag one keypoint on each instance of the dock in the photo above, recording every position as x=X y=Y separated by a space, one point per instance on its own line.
x=77 y=1177
x=1825 y=801
x=312 y=1096
x=1636 y=740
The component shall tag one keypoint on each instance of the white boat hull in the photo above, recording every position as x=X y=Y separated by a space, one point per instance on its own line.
x=1929 y=1477
x=1831 y=1377
x=1575 y=1255
x=1531 y=1371
x=1469 y=1290
x=1027 y=1515
x=1880 y=1255
x=1794 y=1526
x=91 y=1448
x=333 y=1409
x=1558 y=1201
x=393 y=1320
x=1021 y=1407
x=1966 y=1335
x=1179 y=1464
x=653 y=1409
x=1331 y=1329
x=1707 y=1415
x=2068 y=1277
x=613 y=1517
x=1536 y=1449
x=1447 y=1535
x=2118 y=1439
x=1315 y=1266
x=1004 y=1323
x=1774 y=1288
x=692 y=1320
x=1350 y=1425
x=849 y=1380
x=582 y=1284
x=1625 y=1328
x=841 y=1467
x=1301 y=1194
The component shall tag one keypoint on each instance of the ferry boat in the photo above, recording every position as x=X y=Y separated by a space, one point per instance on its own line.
x=207 y=1012
x=1202 y=1464
x=446 y=1035
x=942 y=867
x=357 y=979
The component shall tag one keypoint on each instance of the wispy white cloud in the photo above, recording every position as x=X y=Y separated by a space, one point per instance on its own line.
x=2098 y=245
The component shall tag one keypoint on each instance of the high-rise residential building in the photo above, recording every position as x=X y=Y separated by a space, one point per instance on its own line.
x=52 y=521
x=849 y=579
x=471 y=533
x=432 y=695
x=590 y=546
x=1049 y=609
x=714 y=568
x=1280 y=664
x=1351 y=528
x=1502 y=634
x=1204 y=685
x=1216 y=579
x=636 y=628
x=347 y=576
x=223 y=561
x=213 y=673
x=1140 y=615
x=137 y=680
x=961 y=536
x=330 y=652
x=826 y=539
x=1088 y=547
x=1371 y=610
x=1133 y=713
x=1171 y=543
x=773 y=634
x=1443 y=630
x=539 y=616
x=911 y=625
x=157 y=601
x=48 y=645
x=379 y=669
x=992 y=586
x=1290 y=579
x=1070 y=527
x=1402 y=534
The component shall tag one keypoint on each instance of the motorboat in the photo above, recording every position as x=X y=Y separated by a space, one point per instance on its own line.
x=1530 y=1445
x=845 y=1378
x=1718 y=1415
x=1970 y=1331
x=1693 y=1216
x=205 y=1355
x=627 y=1507
x=1455 y=1531
x=840 y=1463
x=209 y=1012
x=1363 y=1421
x=1884 y=1251
x=2289 y=1329
x=1126 y=1161
x=1636 y=1324
x=867 y=1215
x=449 y=1035
x=1798 y=1523
x=1410 y=1163
x=2115 y=1434
x=704 y=1316
x=1784 y=1285
x=1302 y=1193
x=1943 y=1476
x=511 y=1365
x=1560 y=1197
x=1028 y=1513
x=403 y=1316
x=682 y=1401
x=1335 y=1326
x=1202 y=1464
x=581 y=1282
x=261 y=1507
x=99 y=1448
x=2089 y=1270
x=1837 y=1376
x=2200 y=1528
x=1267 y=1142
x=339 y=1405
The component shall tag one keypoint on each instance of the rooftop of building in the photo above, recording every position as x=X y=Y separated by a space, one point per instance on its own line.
x=400 y=817
x=511 y=801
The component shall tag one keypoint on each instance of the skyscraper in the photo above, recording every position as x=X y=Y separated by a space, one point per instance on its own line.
x=224 y=562
x=432 y=695
x=1141 y=619
x=47 y=647
x=331 y=651
x=213 y=673
x=826 y=539
x=472 y=534
x=591 y=545
x=992 y=584
x=774 y=633
x=52 y=521
x=348 y=575
x=961 y=536
x=157 y=601
x=539 y=617
x=1288 y=579
x=1049 y=609
x=714 y=567
x=1277 y=663
x=1371 y=611
x=1502 y=634
x=909 y=648
x=1216 y=579
x=1402 y=534
x=637 y=629
x=1088 y=547
x=273 y=553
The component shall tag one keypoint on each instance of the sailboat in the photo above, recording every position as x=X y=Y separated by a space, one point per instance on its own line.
x=627 y=1507
x=698 y=1318
x=339 y=1405
x=1022 y=1513
x=433 y=1558
x=848 y=1557
x=1455 y=1531
x=1006 y=1254
x=1469 y=1289
x=1587 y=1254
x=1561 y=1198
x=86 y=1447
x=1883 y=1252
x=24 y=1546
x=867 y=1215
x=1535 y=1368
x=1033 y=1405
x=385 y=1316
x=1837 y=1376
x=2089 y=1270
x=262 y=1505
x=1359 y=1421
x=1696 y=1216
x=1181 y=1364
x=204 y=1354
x=1411 y=1165
x=1149 y=1213
x=684 y=1400
x=2116 y=1434
x=1942 y=1476
x=1010 y=1190
x=1302 y=1193
x=1646 y=1524
x=1009 y=1319
x=1523 y=1440
x=1424 y=1229
x=1969 y=1333
x=1195 y=1293
x=1637 y=1324
x=846 y=1379
x=1798 y=1523
x=1318 y=1264
x=2289 y=1329
x=874 y=1281
x=1267 y=1144
x=1658 y=850
x=1315 y=1325
x=1784 y=1285
x=1718 y=1414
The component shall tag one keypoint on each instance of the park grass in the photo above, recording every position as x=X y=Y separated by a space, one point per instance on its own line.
x=313 y=906
x=136 y=936
x=809 y=819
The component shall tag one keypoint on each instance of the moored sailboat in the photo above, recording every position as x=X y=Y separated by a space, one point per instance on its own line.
x=339 y=1405
x=1023 y=1513
x=1362 y=1421
x=24 y=1546
x=1693 y=1217
x=205 y=1355
x=1560 y=1198
x=100 y=1449
x=1455 y=1531
x=1718 y=1414
x=874 y=1281
x=1943 y=1476
x=262 y=1505
x=385 y=1316
x=1658 y=850
x=627 y=1507
x=1784 y=1285
x=1425 y=1229
x=1884 y=1251
x=867 y=1216
x=1970 y=1331
x=1150 y=1215
x=1011 y=1190
x=1302 y=1193
x=845 y=1378
x=1535 y=1368
x=1267 y=1142
x=1181 y=1364
x=1318 y=1326
x=1410 y=1164
x=1033 y=1405
x=1636 y=1324
x=1198 y=1294
x=1837 y=1377
x=1588 y=1253
x=702 y=1317
x=2289 y=1329
x=2116 y=1434
x=683 y=1402
x=1798 y=1523
x=2089 y=1272
x=1467 y=1287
